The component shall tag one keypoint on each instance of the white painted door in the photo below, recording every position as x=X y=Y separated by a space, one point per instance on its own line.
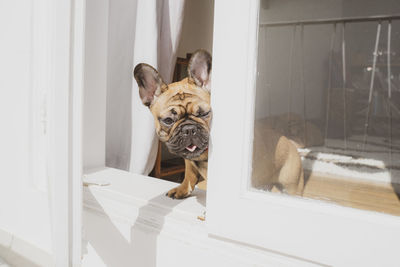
x=24 y=188
x=39 y=151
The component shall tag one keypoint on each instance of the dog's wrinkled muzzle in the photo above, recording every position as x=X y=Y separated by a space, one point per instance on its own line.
x=189 y=140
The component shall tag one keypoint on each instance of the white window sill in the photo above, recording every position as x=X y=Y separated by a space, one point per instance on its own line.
x=138 y=199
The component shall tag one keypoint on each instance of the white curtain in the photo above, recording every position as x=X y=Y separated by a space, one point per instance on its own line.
x=145 y=31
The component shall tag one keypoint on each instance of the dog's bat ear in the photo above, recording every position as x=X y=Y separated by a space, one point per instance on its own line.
x=199 y=69
x=150 y=83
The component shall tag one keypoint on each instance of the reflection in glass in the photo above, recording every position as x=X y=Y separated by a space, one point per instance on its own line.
x=327 y=117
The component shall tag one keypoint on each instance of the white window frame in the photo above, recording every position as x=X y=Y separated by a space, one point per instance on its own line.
x=313 y=230
x=65 y=130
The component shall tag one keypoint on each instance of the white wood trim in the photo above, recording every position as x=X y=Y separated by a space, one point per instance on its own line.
x=60 y=132
x=65 y=128
x=312 y=230
x=78 y=56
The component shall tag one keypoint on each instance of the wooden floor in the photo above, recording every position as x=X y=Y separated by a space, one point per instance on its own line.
x=354 y=193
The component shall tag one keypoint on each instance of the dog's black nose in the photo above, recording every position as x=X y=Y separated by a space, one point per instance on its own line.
x=189 y=130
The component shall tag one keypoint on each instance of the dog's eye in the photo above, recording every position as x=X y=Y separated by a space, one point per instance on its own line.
x=204 y=114
x=168 y=121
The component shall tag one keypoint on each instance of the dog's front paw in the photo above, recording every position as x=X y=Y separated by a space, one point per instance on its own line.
x=179 y=192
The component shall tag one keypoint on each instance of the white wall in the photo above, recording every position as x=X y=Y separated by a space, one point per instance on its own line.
x=197 y=29
x=95 y=83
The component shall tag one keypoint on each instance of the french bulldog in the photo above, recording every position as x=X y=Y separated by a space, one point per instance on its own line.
x=182 y=115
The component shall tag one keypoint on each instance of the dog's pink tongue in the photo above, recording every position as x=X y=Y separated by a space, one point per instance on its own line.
x=191 y=148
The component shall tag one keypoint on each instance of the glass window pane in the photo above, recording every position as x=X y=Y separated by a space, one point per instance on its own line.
x=327 y=106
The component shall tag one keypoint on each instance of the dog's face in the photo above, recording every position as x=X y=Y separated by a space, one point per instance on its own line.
x=181 y=110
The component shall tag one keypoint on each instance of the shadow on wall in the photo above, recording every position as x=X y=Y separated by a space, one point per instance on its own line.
x=119 y=243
